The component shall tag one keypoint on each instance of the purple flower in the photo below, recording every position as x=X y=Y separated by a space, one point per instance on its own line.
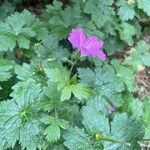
x=87 y=45
x=111 y=109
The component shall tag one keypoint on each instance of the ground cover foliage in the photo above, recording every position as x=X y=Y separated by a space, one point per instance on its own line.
x=51 y=98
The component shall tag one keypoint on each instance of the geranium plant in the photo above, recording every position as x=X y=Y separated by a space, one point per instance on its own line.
x=74 y=75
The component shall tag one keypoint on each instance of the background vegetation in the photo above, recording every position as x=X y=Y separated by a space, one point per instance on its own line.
x=96 y=105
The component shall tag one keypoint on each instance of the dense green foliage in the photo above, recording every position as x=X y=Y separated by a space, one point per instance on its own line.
x=54 y=99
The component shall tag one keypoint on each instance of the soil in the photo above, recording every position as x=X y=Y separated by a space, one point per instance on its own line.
x=143 y=81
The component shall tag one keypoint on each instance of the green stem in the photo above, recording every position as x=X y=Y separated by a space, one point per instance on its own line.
x=72 y=67
x=67 y=60
x=37 y=44
x=106 y=138
x=56 y=113
x=121 y=142
x=78 y=57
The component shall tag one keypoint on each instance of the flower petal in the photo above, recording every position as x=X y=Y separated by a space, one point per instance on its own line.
x=88 y=46
x=93 y=43
x=77 y=37
x=101 y=55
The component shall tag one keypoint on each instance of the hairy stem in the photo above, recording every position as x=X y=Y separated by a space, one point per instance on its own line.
x=72 y=67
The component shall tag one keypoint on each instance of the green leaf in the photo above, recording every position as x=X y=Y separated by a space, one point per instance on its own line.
x=61 y=21
x=5 y=69
x=70 y=111
x=125 y=74
x=57 y=147
x=55 y=74
x=103 y=80
x=31 y=71
x=101 y=11
x=77 y=139
x=23 y=42
x=103 y=105
x=132 y=134
x=143 y=53
x=94 y=120
x=86 y=75
x=81 y=91
x=146 y=117
x=24 y=87
x=126 y=11
x=51 y=48
x=66 y=93
x=23 y=72
x=127 y=31
x=52 y=132
x=6 y=43
x=15 y=29
x=30 y=135
x=52 y=97
x=19 y=117
x=113 y=45
x=126 y=130
x=50 y=42
x=6 y=9
x=145 y=5
x=62 y=123
x=145 y=59
x=39 y=29
x=138 y=55
x=137 y=108
x=18 y=29
x=124 y=133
